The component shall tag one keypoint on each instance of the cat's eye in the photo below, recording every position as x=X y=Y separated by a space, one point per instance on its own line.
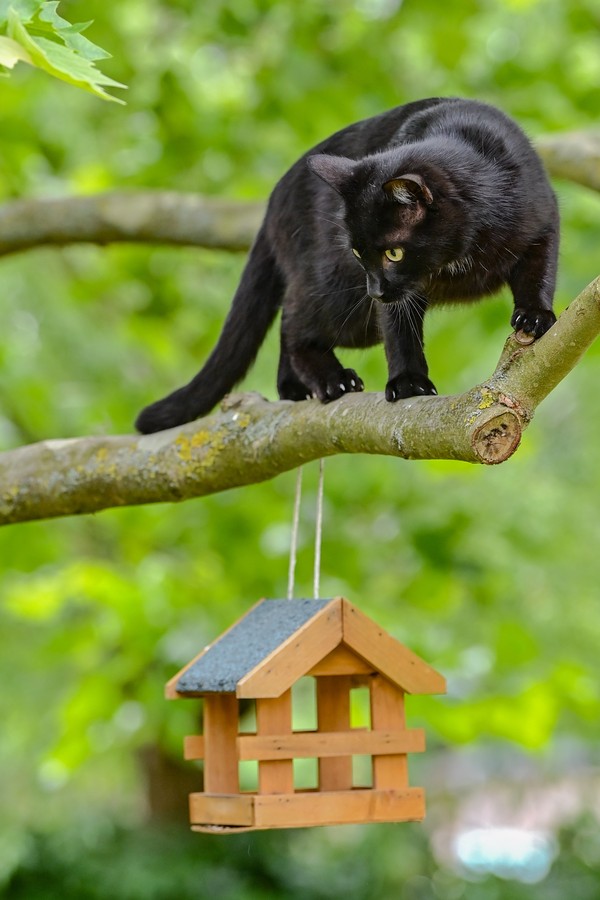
x=395 y=255
x=356 y=253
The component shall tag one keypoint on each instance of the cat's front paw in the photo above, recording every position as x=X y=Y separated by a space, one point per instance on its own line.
x=532 y=321
x=408 y=385
x=345 y=381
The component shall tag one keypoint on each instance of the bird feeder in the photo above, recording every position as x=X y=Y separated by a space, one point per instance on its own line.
x=259 y=659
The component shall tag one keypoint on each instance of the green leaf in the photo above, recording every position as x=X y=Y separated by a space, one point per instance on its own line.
x=63 y=62
x=11 y=53
x=24 y=9
x=49 y=20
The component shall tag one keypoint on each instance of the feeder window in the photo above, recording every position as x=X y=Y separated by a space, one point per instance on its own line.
x=304 y=705
x=360 y=707
x=306 y=774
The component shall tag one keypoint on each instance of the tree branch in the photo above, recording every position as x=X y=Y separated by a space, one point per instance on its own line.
x=574 y=156
x=251 y=440
x=148 y=217
x=168 y=217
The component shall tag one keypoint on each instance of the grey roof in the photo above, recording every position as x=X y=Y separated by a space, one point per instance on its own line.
x=247 y=644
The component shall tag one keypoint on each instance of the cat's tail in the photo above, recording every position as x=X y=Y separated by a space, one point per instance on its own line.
x=253 y=309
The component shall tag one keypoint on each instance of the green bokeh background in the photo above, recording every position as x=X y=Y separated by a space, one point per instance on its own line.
x=490 y=574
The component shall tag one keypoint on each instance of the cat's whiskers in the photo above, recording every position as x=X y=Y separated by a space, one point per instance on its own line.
x=368 y=319
x=408 y=309
x=335 y=292
x=337 y=223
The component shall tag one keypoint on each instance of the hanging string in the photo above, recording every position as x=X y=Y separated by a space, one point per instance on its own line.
x=319 y=529
x=318 y=533
x=294 y=538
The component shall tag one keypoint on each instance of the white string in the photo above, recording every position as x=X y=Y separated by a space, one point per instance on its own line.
x=319 y=529
x=318 y=532
x=294 y=538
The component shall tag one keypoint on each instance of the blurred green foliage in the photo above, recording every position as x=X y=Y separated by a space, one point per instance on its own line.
x=33 y=32
x=490 y=574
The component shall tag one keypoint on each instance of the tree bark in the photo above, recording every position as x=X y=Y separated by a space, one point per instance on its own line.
x=251 y=440
x=145 y=217
x=171 y=218
x=574 y=156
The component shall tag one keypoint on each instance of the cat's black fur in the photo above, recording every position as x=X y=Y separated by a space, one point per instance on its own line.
x=452 y=183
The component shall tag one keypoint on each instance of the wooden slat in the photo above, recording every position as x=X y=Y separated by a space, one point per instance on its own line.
x=387 y=712
x=213 y=809
x=274 y=716
x=232 y=815
x=306 y=744
x=342 y=661
x=333 y=714
x=338 y=808
x=193 y=746
x=403 y=667
x=220 y=748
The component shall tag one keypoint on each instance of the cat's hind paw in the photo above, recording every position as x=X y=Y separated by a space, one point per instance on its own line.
x=344 y=381
x=408 y=385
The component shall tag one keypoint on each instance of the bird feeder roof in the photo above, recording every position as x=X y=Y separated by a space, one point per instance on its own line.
x=279 y=641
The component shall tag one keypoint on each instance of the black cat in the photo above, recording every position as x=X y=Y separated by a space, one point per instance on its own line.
x=438 y=201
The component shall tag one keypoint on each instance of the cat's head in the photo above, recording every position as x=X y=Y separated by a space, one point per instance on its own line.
x=402 y=225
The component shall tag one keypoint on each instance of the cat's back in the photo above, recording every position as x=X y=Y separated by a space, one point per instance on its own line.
x=484 y=128
x=398 y=125
x=487 y=129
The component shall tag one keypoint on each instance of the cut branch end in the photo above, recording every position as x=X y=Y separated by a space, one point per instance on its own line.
x=497 y=439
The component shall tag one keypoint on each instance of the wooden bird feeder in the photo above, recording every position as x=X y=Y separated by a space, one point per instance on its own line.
x=259 y=659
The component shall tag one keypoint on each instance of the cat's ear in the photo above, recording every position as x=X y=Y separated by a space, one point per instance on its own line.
x=336 y=171
x=408 y=189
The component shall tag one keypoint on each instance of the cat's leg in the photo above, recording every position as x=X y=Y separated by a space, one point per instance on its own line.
x=289 y=385
x=532 y=282
x=403 y=338
x=310 y=367
x=320 y=370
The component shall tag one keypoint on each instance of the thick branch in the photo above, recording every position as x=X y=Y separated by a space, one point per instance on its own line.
x=167 y=217
x=251 y=440
x=151 y=217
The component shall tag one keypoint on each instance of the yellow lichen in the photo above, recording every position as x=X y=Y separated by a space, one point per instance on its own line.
x=211 y=441
x=487 y=399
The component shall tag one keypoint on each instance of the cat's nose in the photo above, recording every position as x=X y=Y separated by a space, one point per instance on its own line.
x=374 y=288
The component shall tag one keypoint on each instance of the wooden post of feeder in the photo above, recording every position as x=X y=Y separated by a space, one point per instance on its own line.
x=387 y=713
x=274 y=717
x=333 y=715
x=221 y=773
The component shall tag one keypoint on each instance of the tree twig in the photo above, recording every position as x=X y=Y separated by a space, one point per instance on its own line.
x=251 y=440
